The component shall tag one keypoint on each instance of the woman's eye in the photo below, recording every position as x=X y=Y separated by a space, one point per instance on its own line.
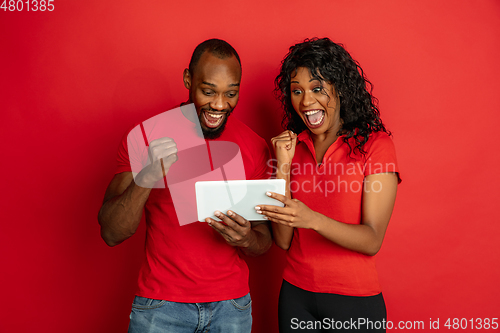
x=296 y=92
x=317 y=89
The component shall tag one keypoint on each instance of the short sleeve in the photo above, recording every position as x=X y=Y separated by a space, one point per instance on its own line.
x=123 y=162
x=381 y=155
x=132 y=152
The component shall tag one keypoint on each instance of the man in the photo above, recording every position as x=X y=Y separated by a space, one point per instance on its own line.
x=193 y=278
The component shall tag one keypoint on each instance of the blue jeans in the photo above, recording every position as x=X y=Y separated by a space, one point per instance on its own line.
x=154 y=316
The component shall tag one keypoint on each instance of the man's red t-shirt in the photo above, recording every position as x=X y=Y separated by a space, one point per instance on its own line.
x=334 y=188
x=193 y=263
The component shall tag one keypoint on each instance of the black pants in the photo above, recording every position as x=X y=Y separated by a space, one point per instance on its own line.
x=300 y=310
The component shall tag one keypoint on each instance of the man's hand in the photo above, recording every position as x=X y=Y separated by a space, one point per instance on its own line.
x=162 y=154
x=235 y=229
x=253 y=239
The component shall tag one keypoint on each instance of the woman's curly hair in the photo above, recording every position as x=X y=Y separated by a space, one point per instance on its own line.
x=330 y=62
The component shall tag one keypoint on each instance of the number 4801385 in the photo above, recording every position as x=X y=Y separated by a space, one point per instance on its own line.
x=28 y=5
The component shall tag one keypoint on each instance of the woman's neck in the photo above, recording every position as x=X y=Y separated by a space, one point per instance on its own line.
x=323 y=141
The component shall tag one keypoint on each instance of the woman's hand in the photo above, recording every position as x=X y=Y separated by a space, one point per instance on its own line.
x=366 y=237
x=284 y=146
x=295 y=213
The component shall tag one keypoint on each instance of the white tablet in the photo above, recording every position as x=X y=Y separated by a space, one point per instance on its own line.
x=240 y=196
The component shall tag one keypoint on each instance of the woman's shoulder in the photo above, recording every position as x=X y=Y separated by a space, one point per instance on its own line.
x=378 y=139
x=380 y=135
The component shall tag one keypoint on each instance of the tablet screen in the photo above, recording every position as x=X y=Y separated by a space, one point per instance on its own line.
x=240 y=196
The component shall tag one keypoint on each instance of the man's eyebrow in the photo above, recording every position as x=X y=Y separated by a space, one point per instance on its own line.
x=209 y=84
x=213 y=85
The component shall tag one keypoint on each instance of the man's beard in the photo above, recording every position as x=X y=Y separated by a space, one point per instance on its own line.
x=213 y=133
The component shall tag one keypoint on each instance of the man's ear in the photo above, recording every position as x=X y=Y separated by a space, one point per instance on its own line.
x=187 y=79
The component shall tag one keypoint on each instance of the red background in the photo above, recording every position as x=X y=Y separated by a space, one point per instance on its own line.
x=74 y=80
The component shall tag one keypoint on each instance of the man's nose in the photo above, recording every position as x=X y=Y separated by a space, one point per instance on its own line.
x=218 y=103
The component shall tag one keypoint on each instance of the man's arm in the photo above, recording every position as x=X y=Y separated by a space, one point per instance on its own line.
x=122 y=208
x=253 y=238
x=125 y=196
x=262 y=241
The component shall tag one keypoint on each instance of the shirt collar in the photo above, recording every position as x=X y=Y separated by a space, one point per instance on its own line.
x=305 y=135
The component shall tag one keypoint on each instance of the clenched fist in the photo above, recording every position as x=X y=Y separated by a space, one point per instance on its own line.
x=284 y=147
x=162 y=154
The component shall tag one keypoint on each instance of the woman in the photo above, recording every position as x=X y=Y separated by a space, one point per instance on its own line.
x=342 y=177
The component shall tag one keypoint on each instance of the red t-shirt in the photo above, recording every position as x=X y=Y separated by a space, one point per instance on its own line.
x=334 y=188
x=192 y=263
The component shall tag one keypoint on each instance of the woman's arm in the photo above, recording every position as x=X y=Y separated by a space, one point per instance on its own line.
x=365 y=238
x=283 y=234
x=284 y=149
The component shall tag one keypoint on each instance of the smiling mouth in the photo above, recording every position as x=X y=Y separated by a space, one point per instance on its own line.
x=213 y=119
x=315 y=118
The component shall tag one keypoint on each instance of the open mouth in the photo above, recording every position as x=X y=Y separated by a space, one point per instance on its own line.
x=213 y=119
x=315 y=118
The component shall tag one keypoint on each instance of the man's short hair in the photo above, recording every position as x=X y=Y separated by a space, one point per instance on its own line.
x=217 y=47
